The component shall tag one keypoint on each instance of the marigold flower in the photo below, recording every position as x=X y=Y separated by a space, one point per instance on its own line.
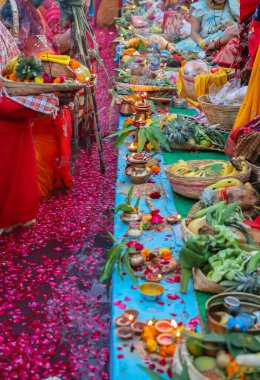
x=74 y=64
x=156 y=169
x=166 y=253
x=151 y=345
x=163 y=351
x=171 y=349
x=146 y=252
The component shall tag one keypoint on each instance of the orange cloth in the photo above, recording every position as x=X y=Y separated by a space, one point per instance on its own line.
x=250 y=107
x=52 y=147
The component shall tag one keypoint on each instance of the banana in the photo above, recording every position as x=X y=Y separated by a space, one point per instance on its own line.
x=227 y=170
x=225 y=183
x=62 y=59
x=181 y=164
x=11 y=64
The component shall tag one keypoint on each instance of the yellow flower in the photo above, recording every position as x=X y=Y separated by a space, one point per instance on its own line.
x=147 y=218
x=151 y=345
x=150 y=147
x=149 y=121
x=146 y=252
x=165 y=253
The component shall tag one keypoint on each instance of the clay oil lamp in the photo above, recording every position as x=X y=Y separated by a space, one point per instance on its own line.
x=122 y=321
x=165 y=339
x=124 y=333
x=138 y=327
x=151 y=291
x=154 y=277
x=133 y=146
x=131 y=314
x=164 y=326
x=173 y=219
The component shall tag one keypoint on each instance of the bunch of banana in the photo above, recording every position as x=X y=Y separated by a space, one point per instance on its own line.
x=62 y=59
x=230 y=170
x=223 y=183
x=181 y=168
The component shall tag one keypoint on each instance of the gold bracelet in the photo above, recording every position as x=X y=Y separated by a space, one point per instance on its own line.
x=201 y=43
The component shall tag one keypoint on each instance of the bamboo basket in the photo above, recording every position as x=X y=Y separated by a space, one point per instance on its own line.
x=249 y=303
x=192 y=187
x=194 y=147
x=186 y=233
x=203 y=284
x=189 y=81
x=25 y=89
x=224 y=115
x=255 y=172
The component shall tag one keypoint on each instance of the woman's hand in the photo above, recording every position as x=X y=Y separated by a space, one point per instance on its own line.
x=232 y=33
x=209 y=47
x=65 y=98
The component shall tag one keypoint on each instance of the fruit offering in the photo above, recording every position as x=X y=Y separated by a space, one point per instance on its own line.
x=213 y=169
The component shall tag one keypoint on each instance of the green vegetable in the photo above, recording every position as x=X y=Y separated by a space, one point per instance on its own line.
x=254 y=263
x=127 y=206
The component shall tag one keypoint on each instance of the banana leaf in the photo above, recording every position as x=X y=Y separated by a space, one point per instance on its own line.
x=141 y=139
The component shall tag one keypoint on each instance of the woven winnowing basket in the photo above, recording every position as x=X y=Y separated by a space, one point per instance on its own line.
x=255 y=172
x=192 y=187
x=224 y=115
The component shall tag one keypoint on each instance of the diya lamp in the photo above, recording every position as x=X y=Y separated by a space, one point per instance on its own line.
x=122 y=321
x=124 y=333
x=138 y=326
x=164 y=326
x=165 y=339
x=150 y=322
x=173 y=219
x=131 y=314
x=133 y=146
x=154 y=277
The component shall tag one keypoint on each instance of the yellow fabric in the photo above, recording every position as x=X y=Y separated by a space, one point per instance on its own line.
x=250 y=108
x=202 y=82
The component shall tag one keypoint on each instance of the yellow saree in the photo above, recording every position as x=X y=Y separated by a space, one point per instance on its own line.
x=250 y=107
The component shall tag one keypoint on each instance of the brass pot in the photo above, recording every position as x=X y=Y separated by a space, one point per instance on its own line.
x=125 y=109
x=142 y=111
x=136 y=259
x=128 y=217
x=138 y=174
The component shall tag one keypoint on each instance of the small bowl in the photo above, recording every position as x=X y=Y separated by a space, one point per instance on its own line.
x=138 y=327
x=131 y=314
x=179 y=103
x=124 y=333
x=154 y=277
x=165 y=339
x=164 y=326
x=122 y=321
x=151 y=291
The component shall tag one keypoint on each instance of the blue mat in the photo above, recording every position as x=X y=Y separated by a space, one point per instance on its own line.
x=124 y=363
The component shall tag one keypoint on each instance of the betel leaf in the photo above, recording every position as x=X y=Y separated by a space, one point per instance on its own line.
x=213 y=170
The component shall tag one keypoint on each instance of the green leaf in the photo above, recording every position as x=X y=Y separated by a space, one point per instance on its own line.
x=184 y=375
x=136 y=206
x=185 y=276
x=121 y=131
x=121 y=139
x=128 y=269
x=151 y=138
x=119 y=267
x=113 y=255
x=128 y=200
x=213 y=170
x=160 y=136
x=124 y=208
x=153 y=375
x=153 y=108
x=141 y=139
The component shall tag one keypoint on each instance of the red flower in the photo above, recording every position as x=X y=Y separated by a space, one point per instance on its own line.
x=175 y=56
x=156 y=218
x=155 y=195
x=136 y=124
x=134 y=244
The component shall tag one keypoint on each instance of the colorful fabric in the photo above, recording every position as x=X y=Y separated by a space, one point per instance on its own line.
x=247 y=8
x=210 y=21
x=202 y=83
x=245 y=141
x=19 y=195
x=250 y=107
x=47 y=103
